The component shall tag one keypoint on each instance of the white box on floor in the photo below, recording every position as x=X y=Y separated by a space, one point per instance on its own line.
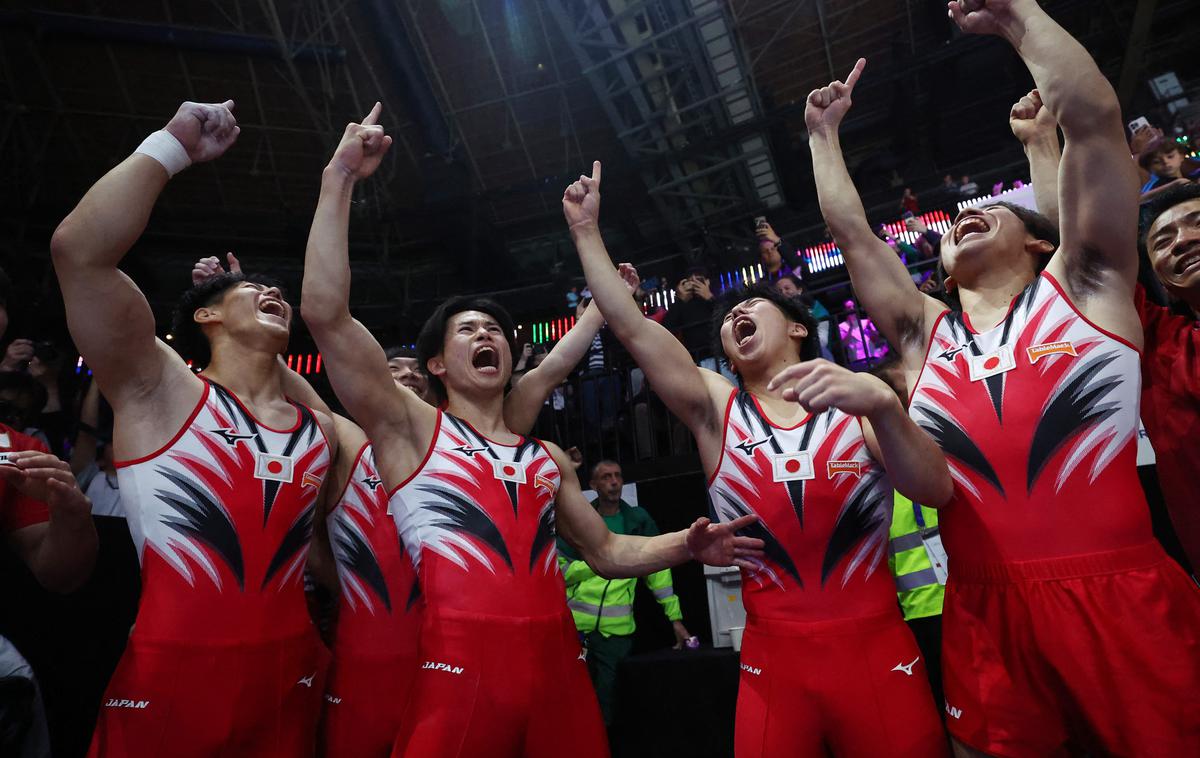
x=724 y=602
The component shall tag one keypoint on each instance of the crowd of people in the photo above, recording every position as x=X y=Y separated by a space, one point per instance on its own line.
x=943 y=541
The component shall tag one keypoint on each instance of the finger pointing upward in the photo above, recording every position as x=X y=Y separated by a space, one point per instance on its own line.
x=857 y=72
x=372 y=118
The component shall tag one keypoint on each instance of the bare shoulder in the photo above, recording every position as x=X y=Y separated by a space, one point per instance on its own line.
x=149 y=417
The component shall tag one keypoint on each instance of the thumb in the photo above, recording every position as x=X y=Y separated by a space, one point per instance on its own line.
x=228 y=105
x=235 y=266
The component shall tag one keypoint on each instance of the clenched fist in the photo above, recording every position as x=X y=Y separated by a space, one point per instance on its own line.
x=206 y=130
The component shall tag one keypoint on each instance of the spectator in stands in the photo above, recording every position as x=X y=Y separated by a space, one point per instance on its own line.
x=773 y=253
x=1171 y=356
x=21 y=400
x=1168 y=167
x=860 y=339
x=599 y=386
x=967 y=189
x=603 y=608
x=56 y=420
x=908 y=202
x=691 y=313
x=791 y=286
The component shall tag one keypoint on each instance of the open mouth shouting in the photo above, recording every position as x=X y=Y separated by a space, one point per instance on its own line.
x=273 y=307
x=972 y=224
x=744 y=329
x=1188 y=263
x=486 y=360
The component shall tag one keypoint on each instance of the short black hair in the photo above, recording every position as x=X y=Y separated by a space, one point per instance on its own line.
x=795 y=280
x=432 y=338
x=1168 y=199
x=190 y=341
x=603 y=462
x=401 y=351
x=792 y=308
x=1036 y=224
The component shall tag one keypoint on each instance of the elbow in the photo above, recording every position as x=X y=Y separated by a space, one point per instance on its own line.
x=320 y=312
x=63 y=245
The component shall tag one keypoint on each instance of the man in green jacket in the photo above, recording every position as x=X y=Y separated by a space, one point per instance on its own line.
x=603 y=608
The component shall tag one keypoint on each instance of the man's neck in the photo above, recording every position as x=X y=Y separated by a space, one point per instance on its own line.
x=608 y=507
x=755 y=381
x=484 y=413
x=1192 y=299
x=986 y=301
x=253 y=375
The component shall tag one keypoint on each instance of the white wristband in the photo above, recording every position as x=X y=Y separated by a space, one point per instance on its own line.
x=164 y=148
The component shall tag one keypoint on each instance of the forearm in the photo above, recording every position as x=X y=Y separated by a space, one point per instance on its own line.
x=608 y=289
x=325 y=294
x=65 y=556
x=915 y=464
x=840 y=204
x=880 y=278
x=1044 y=156
x=111 y=216
x=1070 y=84
x=569 y=351
x=624 y=556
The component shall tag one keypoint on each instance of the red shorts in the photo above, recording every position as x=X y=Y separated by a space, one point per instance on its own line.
x=365 y=698
x=196 y=701
x=502 y=688
x=1097 y=653
x=854 y=687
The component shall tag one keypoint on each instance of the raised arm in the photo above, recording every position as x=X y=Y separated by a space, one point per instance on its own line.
x=617 y=556
x=1033 y=125
x=1098 y=195
x=523 y=404
x=694 y=395
x=109 y=318
x=879 y=277
x=915 y=464
x=354 y=360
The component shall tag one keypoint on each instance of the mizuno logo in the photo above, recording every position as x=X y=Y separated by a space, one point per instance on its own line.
x=747 y=447
x=907 y=667
x=307 y=680
x=582 y=654
x=751 y=670
x=333 y=700
x=468 y=451
x=949 y=355
x=442 y=667
x=955 y=712
x=113 y=702
x=231 y=437
x=372 y=482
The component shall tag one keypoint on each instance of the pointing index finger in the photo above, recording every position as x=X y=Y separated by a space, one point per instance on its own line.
x=372 y=118
x=859 y=65
x=596 y=171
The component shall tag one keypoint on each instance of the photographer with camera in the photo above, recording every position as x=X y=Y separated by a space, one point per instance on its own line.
x=42 y=360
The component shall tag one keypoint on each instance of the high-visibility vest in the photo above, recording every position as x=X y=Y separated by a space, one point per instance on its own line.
x=606 y=605
x=917 y=585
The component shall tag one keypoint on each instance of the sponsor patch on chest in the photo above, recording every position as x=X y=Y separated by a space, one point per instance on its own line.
x=990 y=364
x=833 y=468
x=509 y=471
x=789 y=467
x=273 y=468
x=1037 y=352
